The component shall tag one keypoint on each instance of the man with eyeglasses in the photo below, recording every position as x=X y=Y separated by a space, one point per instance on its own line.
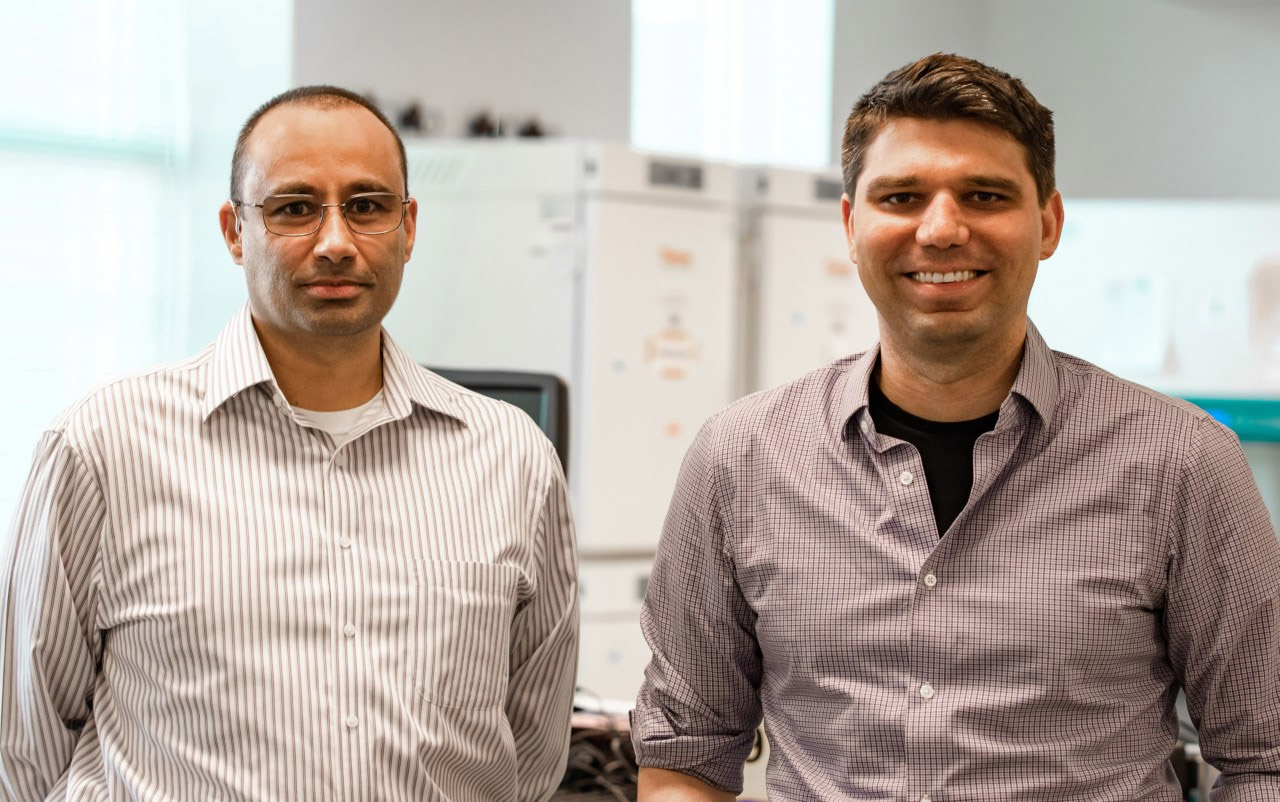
x=296 y=566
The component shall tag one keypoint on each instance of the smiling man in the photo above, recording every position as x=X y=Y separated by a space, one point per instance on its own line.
x=296 y=566
x=959 y=566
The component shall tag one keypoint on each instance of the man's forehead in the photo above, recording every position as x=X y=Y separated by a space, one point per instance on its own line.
x=294 y=138
x=298 y=119
x=900 y=138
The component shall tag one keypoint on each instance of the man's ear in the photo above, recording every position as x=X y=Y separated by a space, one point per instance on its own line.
x=1051 y=222
x=229 y=221
x=846 y=217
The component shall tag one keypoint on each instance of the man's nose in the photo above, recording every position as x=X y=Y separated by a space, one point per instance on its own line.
x=334 y=240
x=943 y=224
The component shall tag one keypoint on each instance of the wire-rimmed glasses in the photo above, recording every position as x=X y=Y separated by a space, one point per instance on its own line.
x=302 y=215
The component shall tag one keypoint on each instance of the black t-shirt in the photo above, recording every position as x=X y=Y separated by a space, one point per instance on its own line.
x=945 y=448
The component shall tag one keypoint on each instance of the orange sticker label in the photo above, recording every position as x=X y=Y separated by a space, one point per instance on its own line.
x=673 y=257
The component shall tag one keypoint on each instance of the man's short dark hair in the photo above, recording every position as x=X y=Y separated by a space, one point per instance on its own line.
x=319 y=96
x=949 y=87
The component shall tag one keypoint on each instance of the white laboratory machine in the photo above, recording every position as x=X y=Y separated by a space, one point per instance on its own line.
x=615 y=270
x=806 y=306
x=610 y=268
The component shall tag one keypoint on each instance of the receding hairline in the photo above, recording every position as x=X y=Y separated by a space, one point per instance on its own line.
x=324 y=98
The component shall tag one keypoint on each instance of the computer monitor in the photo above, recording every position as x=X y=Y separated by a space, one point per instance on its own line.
x=543 y=396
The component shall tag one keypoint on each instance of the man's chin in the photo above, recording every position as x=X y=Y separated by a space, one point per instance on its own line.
x=335 y=322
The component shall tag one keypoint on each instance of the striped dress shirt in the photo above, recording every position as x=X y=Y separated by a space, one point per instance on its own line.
x=1113 y=547
x=204 y=599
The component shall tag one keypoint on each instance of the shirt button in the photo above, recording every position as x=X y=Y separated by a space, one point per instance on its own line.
x=344 y=542
x=865 y=426
x=926 y=691
x=349 y=630
x=925 y=798
x=339 y=459
x=352 y=722
x=930 y=580
x=905 y=477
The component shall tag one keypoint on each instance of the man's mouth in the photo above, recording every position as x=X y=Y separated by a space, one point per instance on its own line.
x=333 y=289
x=945 y=278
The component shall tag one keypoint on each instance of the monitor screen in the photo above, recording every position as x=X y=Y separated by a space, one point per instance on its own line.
x=542 y=396
x=530 y=399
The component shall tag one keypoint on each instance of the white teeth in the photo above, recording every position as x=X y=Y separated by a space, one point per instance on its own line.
x=945 y=278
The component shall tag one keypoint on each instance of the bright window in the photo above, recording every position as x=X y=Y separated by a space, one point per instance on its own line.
x=740 y=80
x=116 y=120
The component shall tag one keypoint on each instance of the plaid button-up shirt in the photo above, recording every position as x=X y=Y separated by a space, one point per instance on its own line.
x=1114 y=547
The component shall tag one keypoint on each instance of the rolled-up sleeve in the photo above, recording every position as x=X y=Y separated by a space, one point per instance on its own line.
x=544 y=650
x=1223 y=615
x=699 y=705
x=49 y=646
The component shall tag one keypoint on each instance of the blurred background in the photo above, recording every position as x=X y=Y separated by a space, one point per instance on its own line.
x=638 y=197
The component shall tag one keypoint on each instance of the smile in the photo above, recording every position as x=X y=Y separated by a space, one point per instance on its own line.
x=944 y=278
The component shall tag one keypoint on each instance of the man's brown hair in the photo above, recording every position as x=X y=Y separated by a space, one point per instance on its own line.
x=949 y=87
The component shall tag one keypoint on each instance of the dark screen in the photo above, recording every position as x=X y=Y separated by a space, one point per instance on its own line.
x=528 y=399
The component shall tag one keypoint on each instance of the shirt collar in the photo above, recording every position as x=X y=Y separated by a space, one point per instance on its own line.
x=1036 y=382
x=1037 y=379
x=405 y=383
x=856 y=396
x=238 y=363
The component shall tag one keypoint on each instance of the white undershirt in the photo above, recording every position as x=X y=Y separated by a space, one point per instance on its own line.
x=342 y=422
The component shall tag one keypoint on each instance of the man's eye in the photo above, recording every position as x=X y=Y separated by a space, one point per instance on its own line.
x=363 y=206
x=987 y=197
x=897 y=198
x=293 y=207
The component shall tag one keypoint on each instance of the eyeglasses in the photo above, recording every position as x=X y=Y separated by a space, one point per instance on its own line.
x=301 y=215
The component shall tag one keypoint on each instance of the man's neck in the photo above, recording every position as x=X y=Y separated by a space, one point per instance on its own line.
x=325 y=374
x=955 y=386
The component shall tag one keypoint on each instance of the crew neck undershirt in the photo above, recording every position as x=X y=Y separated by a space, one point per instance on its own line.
x=946 y=449
x=341 y=423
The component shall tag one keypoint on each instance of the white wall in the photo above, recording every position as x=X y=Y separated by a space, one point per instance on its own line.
x=1152 y=98
x=874 y=37
x=569 y=61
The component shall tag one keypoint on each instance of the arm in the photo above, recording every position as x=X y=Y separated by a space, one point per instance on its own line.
x=661 y=785
x=49 y=646
x=1223 y=615
x=699 y=705
x=544 y=650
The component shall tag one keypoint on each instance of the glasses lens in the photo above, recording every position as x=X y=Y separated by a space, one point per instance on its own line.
x=292 y=215
x=374 y=212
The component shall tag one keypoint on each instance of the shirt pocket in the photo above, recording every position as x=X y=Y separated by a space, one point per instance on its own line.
x=464 y=613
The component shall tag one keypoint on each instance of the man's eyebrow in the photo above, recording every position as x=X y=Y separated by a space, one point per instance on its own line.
x=887 y=183
x=296 y=188
x=369 y=186
x=893 y=183
x=1006 y=185
x=303 y=188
